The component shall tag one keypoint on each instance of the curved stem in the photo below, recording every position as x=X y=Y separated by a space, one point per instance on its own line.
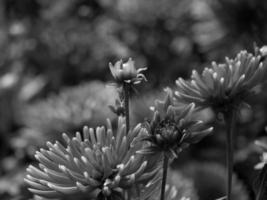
x=164 y=176
x=126 y=90
x=230 y=120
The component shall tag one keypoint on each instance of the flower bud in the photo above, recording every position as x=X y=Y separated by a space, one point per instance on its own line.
x=126 y=72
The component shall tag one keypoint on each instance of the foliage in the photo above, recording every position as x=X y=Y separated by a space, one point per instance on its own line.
x=209 y=180
x=70 y=109
x=54 y=71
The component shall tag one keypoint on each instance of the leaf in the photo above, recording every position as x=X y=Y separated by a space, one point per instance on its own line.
x=260 y=184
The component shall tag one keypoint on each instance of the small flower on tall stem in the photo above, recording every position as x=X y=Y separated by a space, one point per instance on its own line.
x=171 y=130
x=99 y=164
x=127 y=72
x=224 y=87
x=126 y=75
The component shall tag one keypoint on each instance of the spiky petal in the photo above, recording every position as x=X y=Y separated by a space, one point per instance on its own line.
x=224 y=86
x=172 y=128
x=98 y=162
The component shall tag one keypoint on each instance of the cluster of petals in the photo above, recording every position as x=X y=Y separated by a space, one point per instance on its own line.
x=127 y=72
x=173 y=128
x=225 y=85
x=98 y=163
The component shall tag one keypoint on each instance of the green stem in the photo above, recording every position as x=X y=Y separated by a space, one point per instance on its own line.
x=126 y=89
x=164 y=176
x=230 y=120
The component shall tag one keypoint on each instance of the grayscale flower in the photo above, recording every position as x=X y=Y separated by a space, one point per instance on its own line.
x=224 y=86
x=172 y=128
x=100 y=164
x=127 y=72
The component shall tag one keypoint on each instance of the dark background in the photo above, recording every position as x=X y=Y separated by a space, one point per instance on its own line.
x=54 y=77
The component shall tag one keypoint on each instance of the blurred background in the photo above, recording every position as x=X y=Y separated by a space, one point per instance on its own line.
x=54 y=77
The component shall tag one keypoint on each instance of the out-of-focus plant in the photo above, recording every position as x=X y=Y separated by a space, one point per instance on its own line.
x=8 y=92
x=9 y=88
x=209 y=181
x=141 y=105
x=244 y=20
x=260 y=185
x=171 y=193
x=70 y=109
x=224 y=88
x=61 y=46
x=185 y=185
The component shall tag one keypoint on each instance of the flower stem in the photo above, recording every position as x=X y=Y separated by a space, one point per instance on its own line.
x=230 y=120
x=126 y=89
x=164 y=176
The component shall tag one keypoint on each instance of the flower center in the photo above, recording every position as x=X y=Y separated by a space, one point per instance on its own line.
x=168 y=134
x=226 y=104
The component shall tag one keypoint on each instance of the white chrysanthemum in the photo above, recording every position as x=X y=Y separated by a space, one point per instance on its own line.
x=224 y=86
x=98 y=163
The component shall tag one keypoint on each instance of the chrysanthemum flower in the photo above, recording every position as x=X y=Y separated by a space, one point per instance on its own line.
x=173 y=128
x=127 y=72
x=99 y=163
x=224 y=86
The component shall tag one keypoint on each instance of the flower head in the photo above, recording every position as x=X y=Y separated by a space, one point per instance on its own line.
x=98 y=163
x=127 y=72
x=224 y=86
x=172 y=128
